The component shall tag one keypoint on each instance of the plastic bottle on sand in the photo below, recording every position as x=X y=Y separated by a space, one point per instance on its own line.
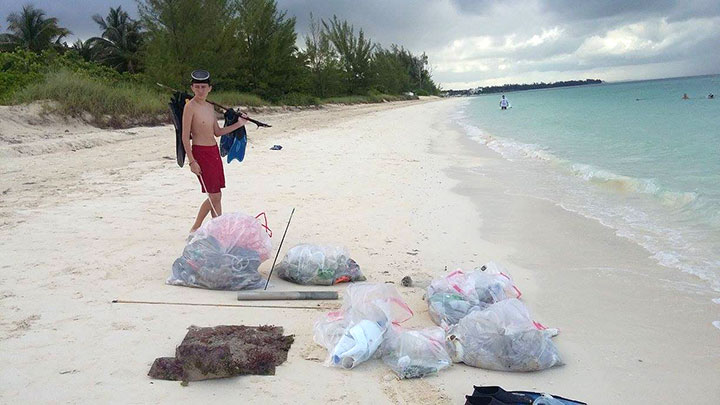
x=358 y=344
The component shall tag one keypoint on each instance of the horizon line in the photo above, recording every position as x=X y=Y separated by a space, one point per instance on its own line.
x=603 y=81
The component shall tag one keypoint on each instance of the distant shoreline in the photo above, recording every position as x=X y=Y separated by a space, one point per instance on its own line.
x=474 y=92
x=506 y=88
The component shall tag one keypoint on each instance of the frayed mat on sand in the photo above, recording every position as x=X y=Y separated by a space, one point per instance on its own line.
x=224 y=351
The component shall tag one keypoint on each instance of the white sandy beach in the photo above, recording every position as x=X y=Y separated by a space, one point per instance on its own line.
x=89 y=216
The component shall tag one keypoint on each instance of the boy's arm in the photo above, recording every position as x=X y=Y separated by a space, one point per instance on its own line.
x=226 y=130
x=186 y=124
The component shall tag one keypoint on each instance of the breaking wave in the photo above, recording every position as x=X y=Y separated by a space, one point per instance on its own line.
x=682 y=245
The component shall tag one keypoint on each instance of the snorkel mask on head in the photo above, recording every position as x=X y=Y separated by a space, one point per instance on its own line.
x=200 y=76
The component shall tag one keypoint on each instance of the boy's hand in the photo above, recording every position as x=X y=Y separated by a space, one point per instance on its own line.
x=195 y=168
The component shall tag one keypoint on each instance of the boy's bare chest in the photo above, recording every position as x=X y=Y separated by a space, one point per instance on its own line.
x=204 y=118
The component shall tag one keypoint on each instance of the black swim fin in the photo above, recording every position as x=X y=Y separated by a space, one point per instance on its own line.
x=177 y=105
x=482 y=400
x=516 y=397
x=501 y=395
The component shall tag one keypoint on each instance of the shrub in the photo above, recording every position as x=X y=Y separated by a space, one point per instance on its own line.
x=236 y=98
x=78 y=93
x=298 y=99
x=21 y=68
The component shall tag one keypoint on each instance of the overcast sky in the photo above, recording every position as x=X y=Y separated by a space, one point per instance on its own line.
x=483 y=42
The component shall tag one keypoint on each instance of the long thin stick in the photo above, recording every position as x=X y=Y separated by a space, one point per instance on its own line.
x=208 y=194
x=215 y=305
x=256 y=122
x=278 y=251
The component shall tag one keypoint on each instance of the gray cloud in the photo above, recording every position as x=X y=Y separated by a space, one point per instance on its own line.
x=593 y=9
x=688 y=9
x=478 y=7
x=473 y=42
x=76 y=15
x=413 y=24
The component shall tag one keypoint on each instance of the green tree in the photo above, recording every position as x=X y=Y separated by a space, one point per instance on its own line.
x=389 y=71
x=268 y=64
x=321 y=61
x=119 y=45
x=354 y=53
x=425 y=81
x=183 y=35
x=397 y=70
x=419 y=74
x=30 y=29
x=85 y=49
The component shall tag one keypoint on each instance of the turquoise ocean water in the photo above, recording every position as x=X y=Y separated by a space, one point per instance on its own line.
x=633 y=155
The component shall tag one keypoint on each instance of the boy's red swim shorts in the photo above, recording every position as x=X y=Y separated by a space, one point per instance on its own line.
x=208 y=157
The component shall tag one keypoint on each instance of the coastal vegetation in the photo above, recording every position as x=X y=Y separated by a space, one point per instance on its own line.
x=519 y=87
x=250 y=46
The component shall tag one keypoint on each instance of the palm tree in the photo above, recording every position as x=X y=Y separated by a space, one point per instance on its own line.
x=31 y=30
x=84 y=49
x=121 y=39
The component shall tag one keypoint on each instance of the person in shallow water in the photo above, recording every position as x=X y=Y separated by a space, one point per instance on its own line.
x=711 y=96
x=504 y=103
x=685 y=96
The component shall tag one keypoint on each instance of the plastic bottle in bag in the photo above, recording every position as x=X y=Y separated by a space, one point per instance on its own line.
x=353 y=334
x=358 y=344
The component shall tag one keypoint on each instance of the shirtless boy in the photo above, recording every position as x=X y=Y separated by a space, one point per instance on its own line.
x=203 y=153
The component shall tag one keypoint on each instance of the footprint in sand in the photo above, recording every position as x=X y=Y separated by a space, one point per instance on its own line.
x=313 y=352
x=413 y=391
x=6 y=294
x=24 y=324
x=18 y=328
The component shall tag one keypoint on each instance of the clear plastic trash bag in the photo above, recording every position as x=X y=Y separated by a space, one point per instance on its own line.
x=499 y=276
x=328 y=330
x=223 y=254
x=237 y=229
x=414 y=353
x=454 y=296
x=353 y=334
x=318 y=265
x=503 y=337
x=377 y=302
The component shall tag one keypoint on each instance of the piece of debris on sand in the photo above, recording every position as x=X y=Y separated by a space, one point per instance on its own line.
x=406 y=281
x=224 y=351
